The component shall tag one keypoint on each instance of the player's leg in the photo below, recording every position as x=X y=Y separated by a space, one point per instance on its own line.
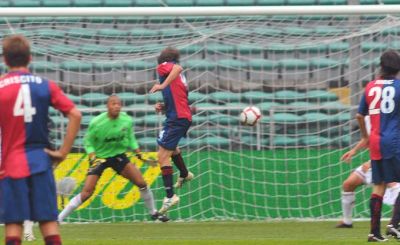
x=184 y=174
x=355 y=179
x=378 y=178
x=130 y=172
x=28 y=231
x=76 y=201
x=44 y=206
x=164 y=156
x=15 y=206
x=393 y=226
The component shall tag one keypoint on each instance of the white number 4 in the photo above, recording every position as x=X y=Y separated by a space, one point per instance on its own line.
x=23 y=104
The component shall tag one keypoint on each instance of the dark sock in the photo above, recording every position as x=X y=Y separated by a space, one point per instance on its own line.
x=13 y=240
x=396 y=213
x=166 y=172
x=375 y=205
x=180 y=164
x=53 y=240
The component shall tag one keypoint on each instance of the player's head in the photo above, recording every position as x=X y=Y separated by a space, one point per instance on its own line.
x=390 y=63
x=16 y=51
x=168 y=55
x=113 y=106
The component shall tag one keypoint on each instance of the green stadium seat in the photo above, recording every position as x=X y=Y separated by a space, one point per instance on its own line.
x=223 y=97
x=123 y=49
x=139 y=108
x=235 y=108
x=152 y=120
x=289 y=95
x=5 y=4
x=53 y=112
x=210 y=2
x=148 y=3
x=130 y=19
x=231 y=64
x=262 y=64
x=316 y=117
x=341 y=117
x=252 y=140
x=334 y=107
x=282 y=141
x=77 y=66
x=324 y=63
x=94 y=49
x=304 y=106
x=373 y=46
x=108 y=66
x=391 y=1
x=343 y=140
x=321 y=95
x=391 y=31
x=248 y=49
x=154 y=98
x=255 y=97
x=301 y=2
x=226 y=120
x=270 y=2
x=200 y=64
x=117 y=3
x=26 y=3
x=217 y=142
x=148 y=143
x=82 y=33
x=43 y=66
x=286 y=118
x=139 y=65
x=67 y=20
x=86 y=120
x=216 y=48
x=38 y=20
x=328 y=31
x=179 y=3
x=339 y=47
x=280 y=48
x=58 y=3
x=144 y=33
x=191 y=49
x=235 y=32
x=265 y=107
x=174 y=32
x=87 y=3
x=368 y=2
x=269 y=32
x=314 y=140
x=198 y=119
x=59 y=121
x=221 y=132
x=129 y=98
x=294 y=64
x=61 y=49
x=240 y=2
x=332 y=2
x=313 y=48
x=197 y=97
x=298 y=31
x=94 y=99
x=113 y=33
x=49 y=34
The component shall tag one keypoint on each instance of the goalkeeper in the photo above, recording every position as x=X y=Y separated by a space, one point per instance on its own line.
x=109 y=136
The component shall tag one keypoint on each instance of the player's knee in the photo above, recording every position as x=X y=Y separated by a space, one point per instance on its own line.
x=348 y=186
x=177 y=151
x=86 y=194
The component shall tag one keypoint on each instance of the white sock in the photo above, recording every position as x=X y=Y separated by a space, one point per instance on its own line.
x=148 y=198
x=28 y=227
x=72 y=205
x=348 y=199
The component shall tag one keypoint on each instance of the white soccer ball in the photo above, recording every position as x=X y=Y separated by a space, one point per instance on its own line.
x=250 y=115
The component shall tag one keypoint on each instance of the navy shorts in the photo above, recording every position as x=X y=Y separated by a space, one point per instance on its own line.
x=385 y=170
x=172 y=132
x=31 y=198
x=117 y=163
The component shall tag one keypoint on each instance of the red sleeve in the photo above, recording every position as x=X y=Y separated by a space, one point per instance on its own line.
x=58 y=99
x=165 y=68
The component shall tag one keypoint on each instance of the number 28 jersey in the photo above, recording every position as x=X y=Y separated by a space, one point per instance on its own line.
x=24 y=104
x=381 y=101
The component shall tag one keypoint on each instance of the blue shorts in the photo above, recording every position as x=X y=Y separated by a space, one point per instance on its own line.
x=172 y=132
x=385 y=170
x=31 y=198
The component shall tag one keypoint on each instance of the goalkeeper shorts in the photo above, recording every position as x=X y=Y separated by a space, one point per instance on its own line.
x=117 y=163
x=31 y=198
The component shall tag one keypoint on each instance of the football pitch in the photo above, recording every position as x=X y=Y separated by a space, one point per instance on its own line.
x=211 y=232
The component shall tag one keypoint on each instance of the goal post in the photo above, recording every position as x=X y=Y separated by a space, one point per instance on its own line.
x=303 y=66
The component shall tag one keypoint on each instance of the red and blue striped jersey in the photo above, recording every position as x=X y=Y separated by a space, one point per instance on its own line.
x=24 y=107
x=175 y=95
x=381 y=101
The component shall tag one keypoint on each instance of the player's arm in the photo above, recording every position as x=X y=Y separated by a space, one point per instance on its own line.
x=175 y=72
x=360 y=145
x=89 y=146
x=74 y=121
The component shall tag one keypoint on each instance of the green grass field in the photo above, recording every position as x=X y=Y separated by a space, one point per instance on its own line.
x=239 y=232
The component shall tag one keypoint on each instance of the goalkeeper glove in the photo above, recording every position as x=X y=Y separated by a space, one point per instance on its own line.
x=139 y=156
x=94 y=161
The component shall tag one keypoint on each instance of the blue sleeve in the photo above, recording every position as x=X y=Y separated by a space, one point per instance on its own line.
x=363 y=107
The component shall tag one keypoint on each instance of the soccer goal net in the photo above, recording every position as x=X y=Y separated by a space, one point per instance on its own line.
x=304 y=72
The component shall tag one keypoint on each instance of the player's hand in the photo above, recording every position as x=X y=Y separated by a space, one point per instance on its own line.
x=347 y=156
x=139 y=156
x=159 y=107
x=155 y=88
x=56 y=155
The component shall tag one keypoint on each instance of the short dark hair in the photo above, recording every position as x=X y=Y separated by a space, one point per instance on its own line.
x=390 y=63
x=16 y=51
x=169 y=54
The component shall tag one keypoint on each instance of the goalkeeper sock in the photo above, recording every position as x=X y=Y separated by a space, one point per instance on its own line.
x=148 y=198
x=180 y=164
x=396 y=213
x=166 y=172
x=348 y=199
x=13 y=240
x=375 y=206
x=72 y=205
x=53 y=240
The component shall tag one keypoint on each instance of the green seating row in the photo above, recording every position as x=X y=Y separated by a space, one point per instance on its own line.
x=180 y=3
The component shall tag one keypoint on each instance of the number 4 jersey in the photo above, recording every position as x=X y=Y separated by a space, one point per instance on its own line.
x=24 y=105
x=381 y=101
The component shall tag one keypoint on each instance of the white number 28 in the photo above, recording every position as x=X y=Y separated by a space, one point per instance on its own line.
x=23 y=104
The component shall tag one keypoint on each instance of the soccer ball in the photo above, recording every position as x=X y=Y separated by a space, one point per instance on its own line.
x=250 y=115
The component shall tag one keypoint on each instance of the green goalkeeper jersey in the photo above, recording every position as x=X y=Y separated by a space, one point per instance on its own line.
x=108 y=137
